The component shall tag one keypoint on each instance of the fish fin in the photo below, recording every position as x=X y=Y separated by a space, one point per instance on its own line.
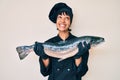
x=23 y=51
x=61 y=59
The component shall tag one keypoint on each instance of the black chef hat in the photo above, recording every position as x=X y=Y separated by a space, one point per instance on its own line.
x=58 y=8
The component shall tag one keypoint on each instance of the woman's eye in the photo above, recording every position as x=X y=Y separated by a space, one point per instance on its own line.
x=59 y=17
x=67 y=18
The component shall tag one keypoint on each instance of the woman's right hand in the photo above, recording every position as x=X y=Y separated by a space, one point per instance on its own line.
x=39 y=50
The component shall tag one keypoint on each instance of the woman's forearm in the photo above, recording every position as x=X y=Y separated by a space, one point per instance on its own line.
x=78 y=61
x=46 y=62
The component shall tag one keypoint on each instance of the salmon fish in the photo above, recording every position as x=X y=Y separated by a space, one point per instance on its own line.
x=62 y=49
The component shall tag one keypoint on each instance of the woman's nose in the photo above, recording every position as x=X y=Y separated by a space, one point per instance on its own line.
x=63 y=20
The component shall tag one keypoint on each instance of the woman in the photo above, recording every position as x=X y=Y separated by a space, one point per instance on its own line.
x=72 y=68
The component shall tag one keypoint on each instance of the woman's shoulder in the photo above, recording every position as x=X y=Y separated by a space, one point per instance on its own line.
x=72 y=36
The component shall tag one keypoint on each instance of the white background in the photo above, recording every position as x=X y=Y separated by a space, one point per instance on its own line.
x=22 y=22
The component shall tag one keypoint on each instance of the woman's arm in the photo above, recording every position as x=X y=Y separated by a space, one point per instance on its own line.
x=44 y=60
x=81 y=64
x=45 y=66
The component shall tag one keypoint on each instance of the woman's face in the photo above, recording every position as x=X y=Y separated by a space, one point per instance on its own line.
x=63 y=22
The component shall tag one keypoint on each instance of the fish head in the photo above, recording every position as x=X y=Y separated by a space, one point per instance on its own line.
x=96 y=40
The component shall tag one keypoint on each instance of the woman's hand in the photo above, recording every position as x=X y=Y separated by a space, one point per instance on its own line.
x=82 y=49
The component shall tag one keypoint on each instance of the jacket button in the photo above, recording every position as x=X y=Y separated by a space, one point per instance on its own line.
x=68 y=69
x=58 y=69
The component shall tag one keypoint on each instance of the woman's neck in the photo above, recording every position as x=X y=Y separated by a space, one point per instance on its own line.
x=64 y=35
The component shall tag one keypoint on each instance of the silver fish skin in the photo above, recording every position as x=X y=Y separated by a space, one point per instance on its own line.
x=62 y=49
x=66 y=49
x=64 y=45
